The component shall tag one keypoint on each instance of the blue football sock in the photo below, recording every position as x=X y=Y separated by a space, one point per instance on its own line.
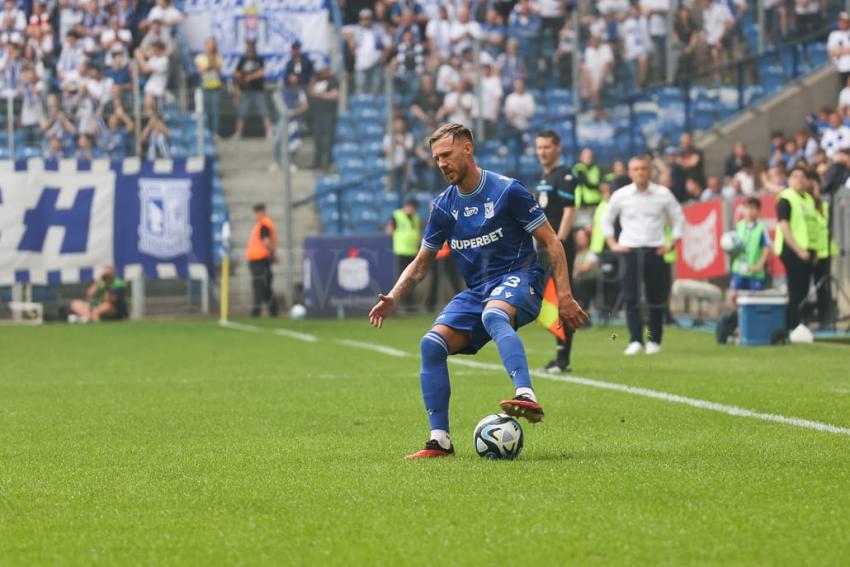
x=434 y=379
x=498 y=325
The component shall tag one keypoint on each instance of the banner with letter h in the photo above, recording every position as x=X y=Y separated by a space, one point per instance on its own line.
x=62 y=220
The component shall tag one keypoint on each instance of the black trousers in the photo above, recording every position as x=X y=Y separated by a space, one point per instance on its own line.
x=821 y=272
x=798 y=274
x=644 y=267
x=261 y=277
x=324 y=125
x=563 y=349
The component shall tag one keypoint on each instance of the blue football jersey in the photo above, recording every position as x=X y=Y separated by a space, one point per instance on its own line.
x=488 y=230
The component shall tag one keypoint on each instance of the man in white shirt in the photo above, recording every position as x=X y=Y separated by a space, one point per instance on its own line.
x=439 y=35
x=369 y=44
x=645 y=209
x=491 y=99
x=635 y=33
x=836 y=137
x=656 y=11
x=519 y=107
x=717 y=21
x=838 y=47
x=457 y=106
x=597 y=63
x=464 y=31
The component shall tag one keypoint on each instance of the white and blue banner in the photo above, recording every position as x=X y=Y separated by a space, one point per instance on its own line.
x=61 y=221
x=273 y=24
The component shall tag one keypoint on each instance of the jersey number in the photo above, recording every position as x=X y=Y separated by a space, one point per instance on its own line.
x=512 y=281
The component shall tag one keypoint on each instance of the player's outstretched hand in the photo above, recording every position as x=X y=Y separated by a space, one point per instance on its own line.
x=571 y=313
x=381 y=310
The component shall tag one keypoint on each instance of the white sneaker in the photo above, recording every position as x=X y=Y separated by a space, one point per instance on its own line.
x=653 y=348
x=633 y=349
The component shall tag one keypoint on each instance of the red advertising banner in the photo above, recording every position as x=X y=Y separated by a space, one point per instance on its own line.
x=700 y=256
x=768 y=216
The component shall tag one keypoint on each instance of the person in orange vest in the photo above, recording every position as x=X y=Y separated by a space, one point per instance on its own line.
x=261 y=255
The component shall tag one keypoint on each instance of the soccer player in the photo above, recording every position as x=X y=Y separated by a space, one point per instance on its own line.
x=489 y=221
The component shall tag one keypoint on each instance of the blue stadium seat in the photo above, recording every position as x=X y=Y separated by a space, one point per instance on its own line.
x=351 y=166
x=370 y=131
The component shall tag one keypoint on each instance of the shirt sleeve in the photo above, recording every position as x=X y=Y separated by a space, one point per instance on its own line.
x=523 y=208
x=675 y=216
x=565 y=187
x=435 y=231
x=612 y=211
x=783 y=210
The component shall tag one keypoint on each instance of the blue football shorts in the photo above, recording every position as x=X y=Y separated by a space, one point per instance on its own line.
x=742 y=283
x=522 y=290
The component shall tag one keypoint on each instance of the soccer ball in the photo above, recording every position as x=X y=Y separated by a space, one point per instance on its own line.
x=498 y=436
x=298 y=312
x=730 y=242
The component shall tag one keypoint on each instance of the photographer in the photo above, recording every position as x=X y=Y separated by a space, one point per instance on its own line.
x=105 y=300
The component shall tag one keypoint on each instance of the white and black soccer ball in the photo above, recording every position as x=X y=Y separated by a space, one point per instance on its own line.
x=731 y=243
x=498 y=436
x=298 y=312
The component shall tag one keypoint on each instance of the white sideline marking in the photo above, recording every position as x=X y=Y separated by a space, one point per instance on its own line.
x=239 y=327
x=634 y=390
x=673 y=398
x=372 y=346
x=296 y=335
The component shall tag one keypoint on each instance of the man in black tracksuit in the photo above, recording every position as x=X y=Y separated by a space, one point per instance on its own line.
x=556 y=196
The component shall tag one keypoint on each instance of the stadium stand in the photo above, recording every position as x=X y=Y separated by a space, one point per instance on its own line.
x=637 y=109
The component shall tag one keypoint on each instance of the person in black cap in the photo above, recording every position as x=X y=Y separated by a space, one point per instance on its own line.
x=299 y=65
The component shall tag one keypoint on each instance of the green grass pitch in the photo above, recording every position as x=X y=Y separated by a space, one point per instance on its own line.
x=188 y=443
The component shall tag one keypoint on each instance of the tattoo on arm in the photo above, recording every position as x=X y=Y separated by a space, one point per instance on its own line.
x=412 y=275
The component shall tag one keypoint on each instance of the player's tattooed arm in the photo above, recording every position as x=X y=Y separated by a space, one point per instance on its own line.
x=571 y=314
x=412 y=276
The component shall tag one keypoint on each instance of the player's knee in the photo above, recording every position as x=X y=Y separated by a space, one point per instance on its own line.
x=433 y=347
x=496 y=321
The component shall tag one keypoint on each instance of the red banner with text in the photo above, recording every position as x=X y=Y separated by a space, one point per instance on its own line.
x=700 y=256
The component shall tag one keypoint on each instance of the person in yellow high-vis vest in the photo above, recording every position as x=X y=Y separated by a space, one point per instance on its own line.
x=796 y=238
x=826 y=248
x=406 y=230
x=588 y=176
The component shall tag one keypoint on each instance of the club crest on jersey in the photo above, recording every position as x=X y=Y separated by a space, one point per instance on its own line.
x=489 y=210
x=469 y=211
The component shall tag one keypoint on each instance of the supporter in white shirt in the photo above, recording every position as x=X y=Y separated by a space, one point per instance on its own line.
x=448 y=75
x=369 y=44
x=491 y=99
x=439 y=35
x=607 y=7
x=595 y=66
x=165 y=12
x=403 y=147
x=12 y=18
x=656 y=12
x=156 y=68
x=838 y=47
x=457 y=106
x=635 y=33
x=836 y=137
x=519 y=107
x=464 y=31
x=717 y=20
x=71 y=58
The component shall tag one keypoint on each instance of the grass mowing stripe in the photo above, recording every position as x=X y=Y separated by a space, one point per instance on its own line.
x=634 y=390
x=296 y=335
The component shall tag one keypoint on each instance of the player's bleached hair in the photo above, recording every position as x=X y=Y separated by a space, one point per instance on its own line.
x=453 y=130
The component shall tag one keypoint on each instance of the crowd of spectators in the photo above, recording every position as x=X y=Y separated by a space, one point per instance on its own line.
x=67 y=66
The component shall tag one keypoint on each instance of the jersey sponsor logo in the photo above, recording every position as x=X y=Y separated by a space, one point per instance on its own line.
x=489 y=210
x=469 y=211
x=476 y=242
